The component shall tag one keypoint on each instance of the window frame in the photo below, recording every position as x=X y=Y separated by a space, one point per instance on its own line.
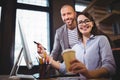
x=35 y=8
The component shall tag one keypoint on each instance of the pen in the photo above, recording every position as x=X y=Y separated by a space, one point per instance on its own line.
x=38 y=44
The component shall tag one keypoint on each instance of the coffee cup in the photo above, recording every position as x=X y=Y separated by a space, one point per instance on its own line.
x=68 y=55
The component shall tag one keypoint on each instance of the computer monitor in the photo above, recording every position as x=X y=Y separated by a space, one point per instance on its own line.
x=24 y=52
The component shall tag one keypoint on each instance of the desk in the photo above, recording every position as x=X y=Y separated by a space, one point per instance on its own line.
x=6 y=77
x=66 y=78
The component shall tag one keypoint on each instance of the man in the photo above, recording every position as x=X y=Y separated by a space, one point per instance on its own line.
x=66 y=36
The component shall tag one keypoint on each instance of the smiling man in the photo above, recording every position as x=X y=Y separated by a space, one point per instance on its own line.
x=66 y=36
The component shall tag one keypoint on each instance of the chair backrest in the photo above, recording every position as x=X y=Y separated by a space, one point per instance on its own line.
x=116 y=55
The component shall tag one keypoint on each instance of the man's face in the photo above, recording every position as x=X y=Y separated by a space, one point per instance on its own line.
x=68 y=15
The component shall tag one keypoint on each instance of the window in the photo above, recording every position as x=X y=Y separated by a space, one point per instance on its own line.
x=36 y=27
x=79 y=7
x=35 y=2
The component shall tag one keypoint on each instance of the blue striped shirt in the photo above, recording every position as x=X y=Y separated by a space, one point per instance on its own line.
x=95 y=55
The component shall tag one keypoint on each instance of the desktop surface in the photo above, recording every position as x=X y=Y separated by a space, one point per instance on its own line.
x=6 y=77
x=18 y=77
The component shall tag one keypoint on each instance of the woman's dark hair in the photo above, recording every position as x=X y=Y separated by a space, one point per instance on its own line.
x=94 y=30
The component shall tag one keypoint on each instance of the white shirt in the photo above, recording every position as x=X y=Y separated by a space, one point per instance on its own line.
x=72 y=37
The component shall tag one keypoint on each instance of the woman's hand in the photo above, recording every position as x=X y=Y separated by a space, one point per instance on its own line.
x=40 y=48
x=78 y=67
x=41 y=51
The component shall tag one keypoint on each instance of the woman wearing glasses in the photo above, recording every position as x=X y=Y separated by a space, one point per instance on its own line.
x=93 y=52
x=94 y=58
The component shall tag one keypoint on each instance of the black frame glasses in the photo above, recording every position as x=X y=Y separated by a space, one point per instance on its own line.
x=84 y=21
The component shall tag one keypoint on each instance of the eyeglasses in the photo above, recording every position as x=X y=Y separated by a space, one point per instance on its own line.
x=85 y=21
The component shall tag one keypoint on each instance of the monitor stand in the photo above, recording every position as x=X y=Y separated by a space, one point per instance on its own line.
x=13 y=73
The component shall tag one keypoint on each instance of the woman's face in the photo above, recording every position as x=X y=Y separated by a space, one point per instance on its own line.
x=84 y=24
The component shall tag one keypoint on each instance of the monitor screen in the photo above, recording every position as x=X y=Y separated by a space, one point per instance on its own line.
x=24 y=53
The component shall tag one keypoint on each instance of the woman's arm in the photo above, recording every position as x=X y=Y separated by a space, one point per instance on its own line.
x=98 y=73
x=54 y=63
x=41 y=51
x=79 y=67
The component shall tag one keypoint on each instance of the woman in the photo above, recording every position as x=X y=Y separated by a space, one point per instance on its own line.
x=94 y=57
x=93 y=52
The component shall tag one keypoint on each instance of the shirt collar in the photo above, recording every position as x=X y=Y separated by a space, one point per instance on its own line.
x=91 y=37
